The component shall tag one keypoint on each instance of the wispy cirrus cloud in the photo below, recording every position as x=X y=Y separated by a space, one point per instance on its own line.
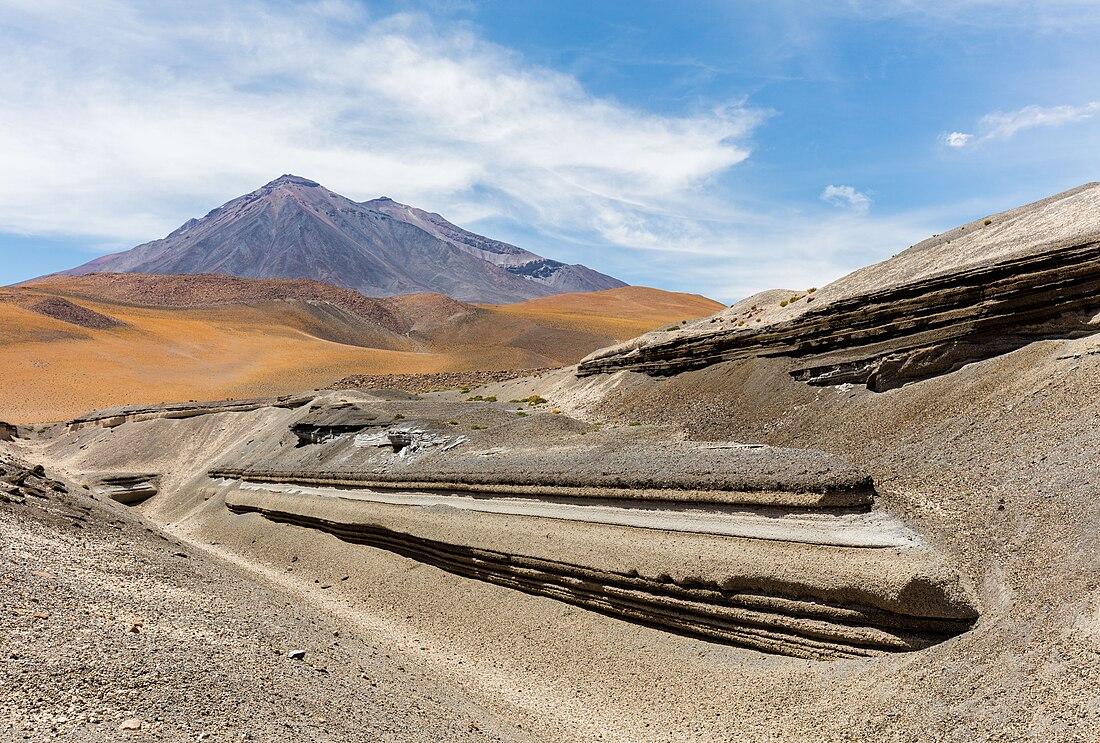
x=1001 y=125
x=121 y=119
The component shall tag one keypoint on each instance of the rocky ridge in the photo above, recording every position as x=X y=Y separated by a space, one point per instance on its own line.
x=402 y=314
x=980 y=290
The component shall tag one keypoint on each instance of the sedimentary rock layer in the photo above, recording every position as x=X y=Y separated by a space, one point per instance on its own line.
x=128 y=488
x=112 y=417
x=675 y=471
x=885 y=338
x=697 y=472
x=809 y=526
x=800 y=600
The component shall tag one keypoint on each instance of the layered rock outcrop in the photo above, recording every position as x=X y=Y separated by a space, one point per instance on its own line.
x=112 y=417
x=775 y=549
x=128 y=488
x=982 y=289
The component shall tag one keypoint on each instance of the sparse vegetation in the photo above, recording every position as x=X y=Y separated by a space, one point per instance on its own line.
x=811 y=290
x=634 y=423
x=535 y=400
x=988 y=222
x=672 y=327
x=521 y=414
x=784 y=303
x=398 y=417
x=453 y=423
x=479 y=398
x=476 y=427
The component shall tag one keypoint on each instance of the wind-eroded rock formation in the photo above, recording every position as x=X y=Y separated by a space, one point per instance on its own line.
x=980 y=290
x=774 y=549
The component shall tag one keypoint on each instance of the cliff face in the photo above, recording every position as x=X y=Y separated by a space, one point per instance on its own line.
x=980 y=290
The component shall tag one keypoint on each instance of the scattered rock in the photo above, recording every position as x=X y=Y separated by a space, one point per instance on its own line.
x=133 y=723
x=419 y=383
x=297 y=654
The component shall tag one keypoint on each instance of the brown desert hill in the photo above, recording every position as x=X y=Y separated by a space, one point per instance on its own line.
x=396 y=314
x=296 y=228
x=183 y=337
x=629 y=306
x=62 y=309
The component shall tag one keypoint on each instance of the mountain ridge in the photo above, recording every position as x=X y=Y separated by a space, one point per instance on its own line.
x=295 y=228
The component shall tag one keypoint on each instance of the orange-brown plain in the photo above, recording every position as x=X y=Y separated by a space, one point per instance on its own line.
x=54 y=366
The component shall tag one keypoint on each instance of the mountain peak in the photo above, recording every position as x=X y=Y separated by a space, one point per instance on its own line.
x=288 y=179
x=295 y=229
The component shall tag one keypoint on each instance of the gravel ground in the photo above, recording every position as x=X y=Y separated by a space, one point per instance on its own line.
x=110 y=630
x=420 y=383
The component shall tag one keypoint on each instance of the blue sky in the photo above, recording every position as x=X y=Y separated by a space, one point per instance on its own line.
x=711 y=147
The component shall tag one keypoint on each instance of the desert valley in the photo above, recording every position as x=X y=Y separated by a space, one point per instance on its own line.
x=320 y=465
x=871 y=496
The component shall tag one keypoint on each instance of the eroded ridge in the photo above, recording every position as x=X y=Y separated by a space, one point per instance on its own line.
x=842 y=603
x=116 y=416
x=685 y=472
x=885 y=338
x=779 y=550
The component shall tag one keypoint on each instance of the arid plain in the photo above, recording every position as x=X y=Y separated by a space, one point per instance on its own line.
x=52 y=368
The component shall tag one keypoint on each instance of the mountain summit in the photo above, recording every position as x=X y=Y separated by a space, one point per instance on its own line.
x=296 y=228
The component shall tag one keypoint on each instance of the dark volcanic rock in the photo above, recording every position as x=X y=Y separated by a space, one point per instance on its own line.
x=66 y=311
x=297 y=229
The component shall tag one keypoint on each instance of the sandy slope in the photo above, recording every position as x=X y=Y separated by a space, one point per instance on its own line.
x=631 y=309
x=51 y=369
x=110 y=622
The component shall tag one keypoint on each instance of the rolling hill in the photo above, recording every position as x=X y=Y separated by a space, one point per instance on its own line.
x=106 y=339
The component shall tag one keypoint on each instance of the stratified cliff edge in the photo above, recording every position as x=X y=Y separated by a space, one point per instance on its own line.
x=980 y=290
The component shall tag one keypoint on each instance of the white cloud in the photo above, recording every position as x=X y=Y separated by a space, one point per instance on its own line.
x=121 y=119
x=848 y=197
x=797 y=251
x=1001 y=125
x=957 y=139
